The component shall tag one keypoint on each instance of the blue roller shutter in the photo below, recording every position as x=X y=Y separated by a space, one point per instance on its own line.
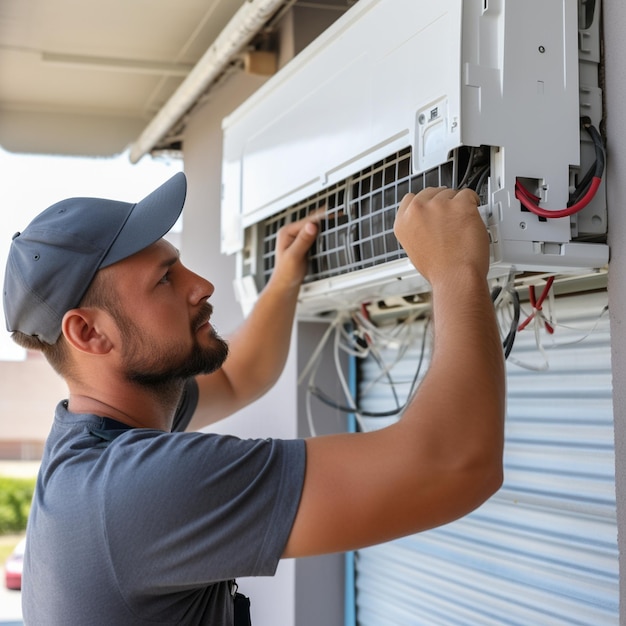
x=543 y=550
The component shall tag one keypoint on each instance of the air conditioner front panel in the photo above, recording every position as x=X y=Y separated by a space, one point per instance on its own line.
x=347 y=102
x=402 y=94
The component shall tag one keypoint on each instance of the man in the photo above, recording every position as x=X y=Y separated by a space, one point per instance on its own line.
x=135 y=524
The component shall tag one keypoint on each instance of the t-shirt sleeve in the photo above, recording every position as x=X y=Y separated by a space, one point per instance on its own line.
x=187 y=406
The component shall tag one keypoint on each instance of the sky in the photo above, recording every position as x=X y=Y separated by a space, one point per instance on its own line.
x=31 y=183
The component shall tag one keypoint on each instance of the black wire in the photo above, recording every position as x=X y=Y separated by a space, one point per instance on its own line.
x=383 y=368
x=583 y=185
x=482 y=178
x=361 y=344
x=509 y=340
x=320 y=395
x=326 y=399
x=477 y=177
x=597 y=167
x=468 y=169
x=599 y=146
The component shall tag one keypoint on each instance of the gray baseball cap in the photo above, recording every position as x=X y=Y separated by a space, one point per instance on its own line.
x=53 y=261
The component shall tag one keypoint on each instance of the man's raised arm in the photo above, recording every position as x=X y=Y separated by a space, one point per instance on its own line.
x=259 y=349
x=444 y=457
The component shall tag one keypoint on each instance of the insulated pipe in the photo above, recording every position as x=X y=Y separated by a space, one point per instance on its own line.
x=243 y=26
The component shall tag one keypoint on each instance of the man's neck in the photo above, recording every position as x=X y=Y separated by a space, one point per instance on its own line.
x=131 y=404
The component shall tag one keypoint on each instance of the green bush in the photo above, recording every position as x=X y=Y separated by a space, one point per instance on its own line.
x=15 y=498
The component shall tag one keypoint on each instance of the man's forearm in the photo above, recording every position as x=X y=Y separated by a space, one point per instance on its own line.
x=260 y=347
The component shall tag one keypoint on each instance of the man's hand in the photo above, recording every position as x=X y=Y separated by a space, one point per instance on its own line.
x=292 y=245
x=442 y=231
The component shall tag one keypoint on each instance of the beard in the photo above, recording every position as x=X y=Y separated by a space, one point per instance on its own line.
x=163 y=365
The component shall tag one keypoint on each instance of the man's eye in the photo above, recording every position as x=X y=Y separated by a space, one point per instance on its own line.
x=165 y=279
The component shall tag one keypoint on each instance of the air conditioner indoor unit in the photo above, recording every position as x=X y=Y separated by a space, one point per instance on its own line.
x=401 y=94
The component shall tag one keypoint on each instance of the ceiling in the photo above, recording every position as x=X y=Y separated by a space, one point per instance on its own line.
x=85 y=77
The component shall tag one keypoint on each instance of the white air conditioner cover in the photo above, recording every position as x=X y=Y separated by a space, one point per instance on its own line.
x=432 y=76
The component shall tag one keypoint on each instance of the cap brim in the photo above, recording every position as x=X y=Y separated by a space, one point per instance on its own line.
x=149 y=220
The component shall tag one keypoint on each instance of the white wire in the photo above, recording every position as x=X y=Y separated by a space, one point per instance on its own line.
x=386 y=335
x=557 y=344
x=315 y=360
x=309 y=413
x=538 y=325
x=341 y=316
x=340 y=375
x=400 y=336
x=407 y=341
x=313 y=366
x=345 y=386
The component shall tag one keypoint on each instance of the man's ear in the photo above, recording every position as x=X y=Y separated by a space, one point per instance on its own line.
x=86 y=330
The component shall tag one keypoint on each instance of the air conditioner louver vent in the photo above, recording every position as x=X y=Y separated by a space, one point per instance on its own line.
x=357 y=228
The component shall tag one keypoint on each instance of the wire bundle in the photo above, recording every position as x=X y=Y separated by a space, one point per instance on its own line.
x=585 y=190
x=507 y=305
x=477 y=170
x=537 y=306
x=354 y=334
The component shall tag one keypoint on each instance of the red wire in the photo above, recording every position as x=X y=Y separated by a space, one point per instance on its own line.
x=531 y=196
x=364 y=311
x=522 y=195
x=537 y=304
x=544 y=293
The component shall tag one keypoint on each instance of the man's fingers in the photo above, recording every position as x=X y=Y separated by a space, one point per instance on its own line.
x=318 y=214
x=309 y=226
x=297 y=237
x=406 y=200
x=469 y=194
x=428 y=193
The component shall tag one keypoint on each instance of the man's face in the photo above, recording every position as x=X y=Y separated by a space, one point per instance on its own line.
x=163 y=317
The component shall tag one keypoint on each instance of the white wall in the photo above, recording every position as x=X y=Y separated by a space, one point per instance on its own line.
x=30 y=391
x=615 y=94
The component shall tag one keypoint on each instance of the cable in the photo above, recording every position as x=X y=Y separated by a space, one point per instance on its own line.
x=496 y=294
x=365 y=339
x=386 y=373
x=593 y=328
x=468 y=169
x=314 y=362
x=317 y=353
x=579 y=202
x=476 y=171
x=536 y=305
x=575 y=208
x=482 y=179
x=530 y=196
x=554 y=345
x=478 y=177
x=597 y=169
x=352 y=406
x=583 y=185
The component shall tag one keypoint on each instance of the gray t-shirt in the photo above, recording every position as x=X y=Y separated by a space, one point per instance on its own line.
x=138 y=526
